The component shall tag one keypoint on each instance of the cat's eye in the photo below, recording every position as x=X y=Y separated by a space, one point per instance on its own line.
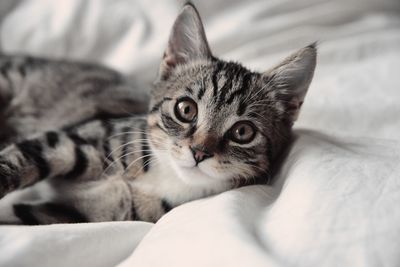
x=186 y=110
x=243 y=132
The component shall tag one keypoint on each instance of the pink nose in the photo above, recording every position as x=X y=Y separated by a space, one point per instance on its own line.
x=200 y=154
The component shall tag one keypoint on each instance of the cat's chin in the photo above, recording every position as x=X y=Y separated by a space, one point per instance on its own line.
x=195 y=176
x=191 y=174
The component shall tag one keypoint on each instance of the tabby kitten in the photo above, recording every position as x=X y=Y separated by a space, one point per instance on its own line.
x=212 y=125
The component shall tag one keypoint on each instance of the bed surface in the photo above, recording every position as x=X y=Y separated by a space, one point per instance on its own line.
x=336 y=199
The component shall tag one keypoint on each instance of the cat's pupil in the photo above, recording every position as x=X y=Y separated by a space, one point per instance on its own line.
x=242 y=131
x=186 y=110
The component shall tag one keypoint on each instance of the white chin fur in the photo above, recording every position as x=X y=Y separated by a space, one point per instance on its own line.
x=187 y=171
x=194 y=175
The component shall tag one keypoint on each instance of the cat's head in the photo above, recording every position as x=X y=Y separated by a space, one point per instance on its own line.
x=218 y=121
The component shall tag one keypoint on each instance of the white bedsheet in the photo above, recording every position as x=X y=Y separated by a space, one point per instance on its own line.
x=336 y=198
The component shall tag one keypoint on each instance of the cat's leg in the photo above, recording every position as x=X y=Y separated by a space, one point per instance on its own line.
x=49 y=155
x=39 y=193
x=76 y=201
x=109 y=199
x=48 y=213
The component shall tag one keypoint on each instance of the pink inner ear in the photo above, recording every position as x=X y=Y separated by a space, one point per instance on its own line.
x=293 y=105
x=293 y=108
x=169 y=60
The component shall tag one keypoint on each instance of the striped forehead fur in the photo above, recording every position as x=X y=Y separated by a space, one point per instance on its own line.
x=227 y=91
x=224 y=83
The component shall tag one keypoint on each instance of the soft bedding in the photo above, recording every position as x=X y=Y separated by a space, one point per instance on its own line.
x=335 y=200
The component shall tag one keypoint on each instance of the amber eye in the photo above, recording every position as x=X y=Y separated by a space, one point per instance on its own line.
x=243 y=132
x=186 y=110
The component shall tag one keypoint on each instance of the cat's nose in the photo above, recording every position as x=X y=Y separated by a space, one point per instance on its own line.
x=200 y=154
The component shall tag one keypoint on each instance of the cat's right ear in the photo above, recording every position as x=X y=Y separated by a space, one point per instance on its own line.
x=187 y=41
x=291 y=78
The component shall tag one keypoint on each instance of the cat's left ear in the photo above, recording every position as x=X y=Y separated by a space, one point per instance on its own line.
x=290 y=80
x=187 y=41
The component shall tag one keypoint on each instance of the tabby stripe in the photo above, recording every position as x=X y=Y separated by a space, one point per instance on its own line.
x=63 y=213
x=191 y=131
x=9 y=176
x=4 y=69
x=243 y=88
x=201 y=92
x=170 y=124
x=31 y=214
x=145 y=152
x=32 y=150
x=25 y=214
x=100 y=116
x=241 y=108
x=52 y=139
x=159 y=104
x=124 y=150
x=189 y=90
x=80 y=165
x=21 y=70
x=245 y=152
x=224 y=90
x=31 y=62
x=252 y=114
x=161 y=128
x=134 y=216
x=107 y=153
x=234 y=72
x=252 y=162
x=214 y=78
x=108 y=129
x=78 y=140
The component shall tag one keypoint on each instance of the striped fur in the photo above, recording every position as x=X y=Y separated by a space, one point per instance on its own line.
x=212 y=125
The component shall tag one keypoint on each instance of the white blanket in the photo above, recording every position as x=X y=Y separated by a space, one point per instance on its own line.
x=335 y=201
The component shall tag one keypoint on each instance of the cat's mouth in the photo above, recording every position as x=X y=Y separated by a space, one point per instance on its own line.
x=194 y=168
x=193 y=174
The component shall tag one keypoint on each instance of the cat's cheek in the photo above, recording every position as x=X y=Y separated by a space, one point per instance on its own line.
x=213 y=169
x=194 y=176
x=152 y=120
x=183 y=157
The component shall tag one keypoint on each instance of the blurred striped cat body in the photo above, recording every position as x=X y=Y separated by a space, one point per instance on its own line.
x=211 y=126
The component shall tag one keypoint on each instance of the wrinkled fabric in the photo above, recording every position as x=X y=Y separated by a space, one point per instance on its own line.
x=335 y=199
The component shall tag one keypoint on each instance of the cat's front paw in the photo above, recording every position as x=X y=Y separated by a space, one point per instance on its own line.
x=8 y=181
